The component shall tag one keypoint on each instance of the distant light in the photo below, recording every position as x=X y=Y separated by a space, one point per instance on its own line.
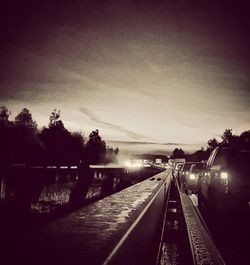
x=137 y=164
x=130 y=164
x=224 y=175
x=127 y=163
x=192 y=176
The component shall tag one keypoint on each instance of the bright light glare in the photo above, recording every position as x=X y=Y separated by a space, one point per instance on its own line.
x=192 y=176
x=224 y=175
x=130 y=164
x=127 y=163
x=137 y=164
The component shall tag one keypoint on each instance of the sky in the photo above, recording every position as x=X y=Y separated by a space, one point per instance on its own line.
x=150 y=75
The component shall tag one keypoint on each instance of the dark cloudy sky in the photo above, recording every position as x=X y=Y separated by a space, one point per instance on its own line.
x=145 y=71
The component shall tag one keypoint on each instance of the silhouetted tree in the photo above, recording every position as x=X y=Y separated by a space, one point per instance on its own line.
x=24 y=119
x=4 y=114
x=55 y=139
x=229 y=139
x=95 y=150
x=244 y=139
x=76 y=147
x=21 y=141
x=54 y=119
x=212 y=144
x=5 y=134
x=25 y=143
x=200 y=155
x=178 y=153
x=61 y=146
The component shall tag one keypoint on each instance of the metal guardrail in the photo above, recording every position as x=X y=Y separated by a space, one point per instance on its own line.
x=203 y=248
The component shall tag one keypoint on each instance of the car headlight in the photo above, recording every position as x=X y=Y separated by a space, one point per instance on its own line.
x=224 y=175
x=192 y=176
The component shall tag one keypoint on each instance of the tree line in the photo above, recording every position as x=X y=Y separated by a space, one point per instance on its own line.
x=228 y=139
x=22 y=142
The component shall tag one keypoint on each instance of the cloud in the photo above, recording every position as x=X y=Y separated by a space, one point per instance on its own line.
x=136 y=147
x=145 y=143
x=93 y=117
